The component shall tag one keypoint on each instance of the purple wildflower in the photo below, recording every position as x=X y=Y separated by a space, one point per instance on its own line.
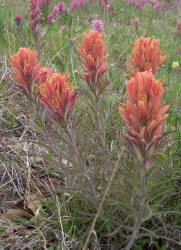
x=50 y=18
x=98 y=25
x=18 y=20
x=136 y=24
x=81 y=3
x=109 y=8
x=34 y=15
x=179 y=50
x=157 y=8
x=74 y=4
x=44 y=2
x=55 y=10
x=61 y=7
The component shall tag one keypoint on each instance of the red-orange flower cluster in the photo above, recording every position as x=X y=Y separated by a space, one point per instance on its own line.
x=93 y=57
x=56 y=94
x=52 y=88
x=146 y=56
x=143 y=112
x=26 y=69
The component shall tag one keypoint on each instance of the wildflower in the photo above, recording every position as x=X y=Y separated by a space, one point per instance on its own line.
x=136 y=24
x=18 y=20
x=50 y=18
x=44 y=2
x=71 y=41
x=74 y=4
x=56 y=94
x=81 y=3
x=61 y=7
x=179 y=50
x=165 y=11
x=104 y=6
x=26 y=69
x=55 y=10
x=143 y=113
x=109 y=8
x=98 y=25
x=146 y=56
x=175 y=65
x=179 y=26
x=93 y=57
x=34 y=15
x=157 y=8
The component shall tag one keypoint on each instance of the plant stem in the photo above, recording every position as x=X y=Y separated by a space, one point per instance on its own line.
x=141 y=209
x=69 y=136
x=99 y=124
x=102 y=201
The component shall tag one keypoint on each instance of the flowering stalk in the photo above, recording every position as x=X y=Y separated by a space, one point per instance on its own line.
x=145 y=56
x=34 y=19
x=93 y=57
x=56 y=94
x=18 y=20
x=136 y=24
x=144 y=116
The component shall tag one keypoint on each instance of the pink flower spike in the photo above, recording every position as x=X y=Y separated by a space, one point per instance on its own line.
x=61 y=7
x=98 y=25
x=50 y=18
x=18 y=19
x=179 y=50
x=55 y=10
x=179 y=26
x=157 y=8
x=34 y=15
x=109 y=8
x=136 y=24
x=81 y=3
x=74 y=4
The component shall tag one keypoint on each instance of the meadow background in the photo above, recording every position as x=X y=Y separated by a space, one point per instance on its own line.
x=45 y=199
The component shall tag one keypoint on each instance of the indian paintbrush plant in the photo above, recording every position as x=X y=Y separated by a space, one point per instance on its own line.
x=80 y=132
x=144 y=115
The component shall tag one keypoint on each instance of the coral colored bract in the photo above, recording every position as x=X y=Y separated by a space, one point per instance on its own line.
x=93 y=57
x=56 y=94
x=145 y=56
x=26 y=69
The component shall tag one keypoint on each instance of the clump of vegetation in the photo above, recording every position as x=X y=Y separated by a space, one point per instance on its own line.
x=90 y=146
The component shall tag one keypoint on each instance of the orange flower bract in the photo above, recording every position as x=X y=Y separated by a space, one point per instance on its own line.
x=93 y=57
x=56 y=94
x=145 y=56
x=26 y=68
x=143 y=112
